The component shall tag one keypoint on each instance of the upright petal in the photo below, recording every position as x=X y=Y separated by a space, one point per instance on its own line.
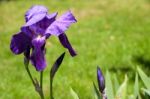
x=34 y=15
x=65 y=42
x=38 y=53
x=36 y=18
x=38 y=24
x=19 y=43
x=43 y=24
x=62 y=24
x=34 y=10
x=51 y=16
x=32 y=28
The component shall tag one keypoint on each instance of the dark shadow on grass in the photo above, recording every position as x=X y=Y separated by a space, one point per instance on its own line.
x=123 y=70
x=142 y=61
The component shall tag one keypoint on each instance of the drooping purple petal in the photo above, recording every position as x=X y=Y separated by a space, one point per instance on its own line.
x=19 y=43
x=38 y=53
x=27 y=31
x=65 y=42
x=62 y=24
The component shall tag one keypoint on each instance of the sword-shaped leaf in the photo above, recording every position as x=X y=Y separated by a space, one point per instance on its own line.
x=97 y=91
x=56 y=65
x=74 y=94
x=145 y=78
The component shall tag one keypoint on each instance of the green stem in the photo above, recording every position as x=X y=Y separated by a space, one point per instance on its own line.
x=28 y=71
x=38 y=88
x=41 y=85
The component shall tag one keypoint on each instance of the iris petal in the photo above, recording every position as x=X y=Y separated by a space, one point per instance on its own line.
x=34 y=15
x=65 y=42
x=19 y=43
x=38 y=24
x=51 y=16
x=38 y=53
x=62 y=24
x=36 y=18
x=34 y=10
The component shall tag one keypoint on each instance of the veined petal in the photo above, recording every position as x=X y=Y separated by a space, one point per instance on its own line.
x=38 y=42
x=51 y=16
x=49 y=19
x=36 y=18
x=62 y=24
x=34 y=10
x=19 y=43
x=35 y=14
x=27 y=31
x=65 y=42
x=38 y=53
x=38 y=26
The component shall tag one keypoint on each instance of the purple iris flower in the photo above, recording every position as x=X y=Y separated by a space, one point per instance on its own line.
x=40 y=26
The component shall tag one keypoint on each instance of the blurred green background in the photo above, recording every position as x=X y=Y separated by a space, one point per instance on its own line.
x=114 y=34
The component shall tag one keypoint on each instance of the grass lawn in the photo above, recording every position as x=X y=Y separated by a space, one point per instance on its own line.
x=113 y=34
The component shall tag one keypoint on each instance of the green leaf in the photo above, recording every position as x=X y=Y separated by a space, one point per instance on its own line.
x=98 y=96
x=122 y=91
x=74 y=94
x=109 y=88
x=146 y=91
x=145 y=78
x=116 y=83
x=53 y=71
x=56 y=65
x=136 y=87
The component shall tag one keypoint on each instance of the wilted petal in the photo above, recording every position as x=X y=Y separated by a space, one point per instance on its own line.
x=19 y=43
x=38 y=53
x=65 y=42
x=101 y=80
x=62 y=24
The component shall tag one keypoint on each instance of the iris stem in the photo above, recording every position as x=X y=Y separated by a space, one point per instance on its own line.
x=28 y=71
x=41 y=85
x=38 y=88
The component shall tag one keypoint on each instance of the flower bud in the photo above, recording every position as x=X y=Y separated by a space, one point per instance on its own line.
x=101 y=80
